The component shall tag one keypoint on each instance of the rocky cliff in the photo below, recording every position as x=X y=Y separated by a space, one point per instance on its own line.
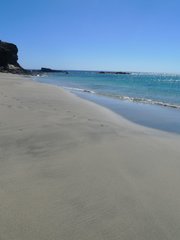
x=9 y=58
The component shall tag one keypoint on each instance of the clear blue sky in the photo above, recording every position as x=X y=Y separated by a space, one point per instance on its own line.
x=135 y=35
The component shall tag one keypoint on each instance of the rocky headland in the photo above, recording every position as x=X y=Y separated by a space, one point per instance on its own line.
x=49 y=70
x=104 y=72
x=9 y=59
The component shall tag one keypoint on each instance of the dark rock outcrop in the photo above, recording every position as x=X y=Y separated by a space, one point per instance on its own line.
x=9 y=59
x=49 y=70
x=114 y=72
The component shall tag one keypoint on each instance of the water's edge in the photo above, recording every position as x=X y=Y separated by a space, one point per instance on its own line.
x=152 y=116
x=149 y=114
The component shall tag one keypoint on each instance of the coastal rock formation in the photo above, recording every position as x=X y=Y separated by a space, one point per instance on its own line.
x=9 y=59
x=49 y=70
x=114 y=72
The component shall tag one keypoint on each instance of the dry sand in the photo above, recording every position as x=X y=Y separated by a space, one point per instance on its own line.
x=73 y=170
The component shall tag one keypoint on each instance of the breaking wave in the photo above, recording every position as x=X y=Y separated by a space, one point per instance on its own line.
x=126 y=98
x=79 y=89
x=143 y=100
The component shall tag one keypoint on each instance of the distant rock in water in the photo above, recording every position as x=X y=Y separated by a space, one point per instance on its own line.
x=9 y=59
x=49 y=70
x=114 y=72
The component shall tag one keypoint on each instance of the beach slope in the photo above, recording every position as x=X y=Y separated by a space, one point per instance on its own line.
x=73 y=170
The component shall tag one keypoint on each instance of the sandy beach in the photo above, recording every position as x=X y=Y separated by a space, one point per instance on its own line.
x=73 y=170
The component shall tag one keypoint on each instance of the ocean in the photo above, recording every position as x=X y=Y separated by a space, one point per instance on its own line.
x=149 y=99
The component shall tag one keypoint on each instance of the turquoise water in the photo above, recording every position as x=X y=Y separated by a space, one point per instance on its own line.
x=152 y=100
x=160 y=89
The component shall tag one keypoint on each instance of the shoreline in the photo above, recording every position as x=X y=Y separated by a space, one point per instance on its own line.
x=80 y=87
x=146 y=115
x=153 y=116
x=150 y=115
x=71 y=169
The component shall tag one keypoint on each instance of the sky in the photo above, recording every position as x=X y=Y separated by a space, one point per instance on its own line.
x=116 y=35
